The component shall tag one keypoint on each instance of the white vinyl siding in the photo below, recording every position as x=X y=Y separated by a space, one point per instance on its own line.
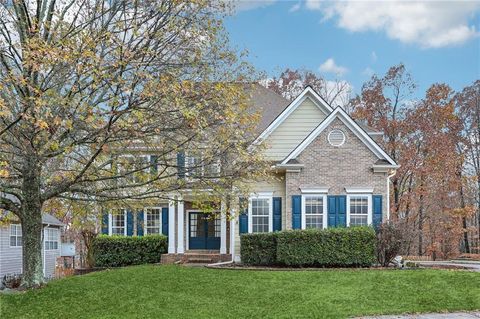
x=293 y=130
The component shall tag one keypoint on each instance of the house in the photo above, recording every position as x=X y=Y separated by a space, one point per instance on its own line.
x=329 y=170
x=11 y=256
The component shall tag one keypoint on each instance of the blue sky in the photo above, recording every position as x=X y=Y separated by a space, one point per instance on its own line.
x=437 y=41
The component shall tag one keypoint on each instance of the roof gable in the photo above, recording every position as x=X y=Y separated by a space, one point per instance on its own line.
x=352 y=126
x=308 y=92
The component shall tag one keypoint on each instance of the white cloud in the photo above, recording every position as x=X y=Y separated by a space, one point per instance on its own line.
x=295 y=7
x=329 y=66
x=430 y=24
x=368 y=71
x=374 y=56
x=245 y=5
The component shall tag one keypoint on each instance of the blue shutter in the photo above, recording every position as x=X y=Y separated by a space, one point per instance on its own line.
x=154 y=164
x=140 y=223
x=296 y=211
x=377 y=210
x=277 y=213
x=105 y=224
x=341 y=211
x=165 y=221
x=129 y=223
x=181 y=165
x=332 y=211
x=243 y=218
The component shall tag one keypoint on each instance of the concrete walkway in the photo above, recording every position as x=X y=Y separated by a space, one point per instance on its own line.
x=453 y=315
x=468 y=265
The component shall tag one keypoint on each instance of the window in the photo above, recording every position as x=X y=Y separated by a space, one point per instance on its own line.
x=15 y=235
x=51 y=238
x=199 y=166
x=118 y=224
x=153 y=224
x=359 y=210
x=137 y=168
x=261 y=214
x=314 y=211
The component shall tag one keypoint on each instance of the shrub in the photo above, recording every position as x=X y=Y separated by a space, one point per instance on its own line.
x=118 y=251
x=259 y=248
x=389 y=243
x=334 y=247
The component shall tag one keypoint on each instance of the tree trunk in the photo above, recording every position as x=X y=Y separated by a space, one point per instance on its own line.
x=464 y=219
x=32 y=249
x=32 y=225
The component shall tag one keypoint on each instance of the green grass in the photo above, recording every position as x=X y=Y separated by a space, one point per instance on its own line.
x=181 y=292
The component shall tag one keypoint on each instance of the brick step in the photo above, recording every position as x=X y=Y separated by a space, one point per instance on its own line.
x=190 y=257
x=199 y=260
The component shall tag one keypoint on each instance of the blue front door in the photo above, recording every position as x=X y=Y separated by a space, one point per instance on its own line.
x=204 y=231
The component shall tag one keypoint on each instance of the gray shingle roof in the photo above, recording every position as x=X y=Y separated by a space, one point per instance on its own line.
x=268 y=103
x=50 y=220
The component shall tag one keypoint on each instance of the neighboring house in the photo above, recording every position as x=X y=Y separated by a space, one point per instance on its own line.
x=330 y=173
x=11 y=256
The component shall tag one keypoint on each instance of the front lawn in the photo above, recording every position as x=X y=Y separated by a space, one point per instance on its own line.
x=180 y=292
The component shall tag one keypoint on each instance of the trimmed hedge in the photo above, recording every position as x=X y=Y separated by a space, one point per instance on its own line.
x=118 y=251
x=259 y=248
x=333 y=247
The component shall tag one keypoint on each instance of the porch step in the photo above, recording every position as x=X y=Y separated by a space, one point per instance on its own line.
x=195 y=258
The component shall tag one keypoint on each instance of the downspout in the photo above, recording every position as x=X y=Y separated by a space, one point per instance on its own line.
x=388 y=192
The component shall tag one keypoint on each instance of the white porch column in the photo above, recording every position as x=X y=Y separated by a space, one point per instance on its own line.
x=171 y=227
x=223 y=229
x=233 y=225
x=180 y=226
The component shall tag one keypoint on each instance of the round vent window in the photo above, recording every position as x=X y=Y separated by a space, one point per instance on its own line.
x=336 y=138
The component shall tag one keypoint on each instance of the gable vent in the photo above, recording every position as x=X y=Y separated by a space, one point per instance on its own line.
x=336 y=138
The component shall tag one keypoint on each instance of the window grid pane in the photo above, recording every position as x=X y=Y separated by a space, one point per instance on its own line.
x=314 y=212
x=51 y=239
x=153 y=221
x=358 y=210
x=260 y=215
x=118 y=224
x=15 y=235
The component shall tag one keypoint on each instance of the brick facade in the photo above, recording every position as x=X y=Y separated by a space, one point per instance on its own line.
x=349 y=165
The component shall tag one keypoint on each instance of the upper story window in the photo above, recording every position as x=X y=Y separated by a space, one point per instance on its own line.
x=51 y=238
x=314 y=211
x=197 y=165
x=260 y=211
x=137 y=168
x=359 y=210
x=153 y=217
x=15 y=235
x=119 y=223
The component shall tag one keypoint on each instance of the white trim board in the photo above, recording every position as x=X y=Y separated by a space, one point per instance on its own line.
x=308 y=92
x=350 y=123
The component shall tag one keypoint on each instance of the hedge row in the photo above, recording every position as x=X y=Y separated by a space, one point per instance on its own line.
x=334 y=247
x=118 y=251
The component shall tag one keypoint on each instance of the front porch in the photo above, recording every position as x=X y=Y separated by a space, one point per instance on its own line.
x=195 y=236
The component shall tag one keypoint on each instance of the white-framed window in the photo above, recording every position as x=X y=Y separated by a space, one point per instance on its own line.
x=359 y=210
x=260 y=214
x=196 y=165
x=16 y=235
x=118 y=223
x=51 y=238
x=136 y=166
x=152 y=217
x=314 y=211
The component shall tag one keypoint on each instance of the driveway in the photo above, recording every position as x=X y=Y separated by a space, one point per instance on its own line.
x=468 y=265
x=453 y=315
